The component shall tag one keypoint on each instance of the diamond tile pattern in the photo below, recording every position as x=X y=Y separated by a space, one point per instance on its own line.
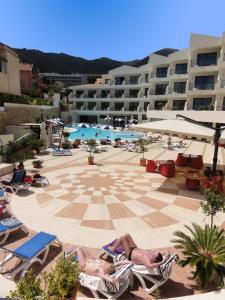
x=100 y=197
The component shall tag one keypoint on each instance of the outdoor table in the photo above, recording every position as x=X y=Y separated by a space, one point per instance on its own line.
x=193 y=180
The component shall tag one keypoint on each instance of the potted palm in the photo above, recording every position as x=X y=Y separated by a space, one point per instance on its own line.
x=63 y=281
x=91 y=145
x=142 y=144
x=204 y=249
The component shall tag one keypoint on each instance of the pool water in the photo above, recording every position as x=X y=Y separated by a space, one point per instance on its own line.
x=98 y=134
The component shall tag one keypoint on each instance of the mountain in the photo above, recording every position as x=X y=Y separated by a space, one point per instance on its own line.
x=67 y=64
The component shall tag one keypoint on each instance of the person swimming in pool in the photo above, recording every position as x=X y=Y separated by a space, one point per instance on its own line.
x=146 y=257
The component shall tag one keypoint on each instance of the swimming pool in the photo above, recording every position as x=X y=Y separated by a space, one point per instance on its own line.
x=98 y=134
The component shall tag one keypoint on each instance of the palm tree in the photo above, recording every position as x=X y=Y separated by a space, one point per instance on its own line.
x=203 y=249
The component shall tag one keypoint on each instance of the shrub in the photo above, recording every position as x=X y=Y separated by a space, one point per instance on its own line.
x=63 y=281
x=204 y=249
x=28 y=288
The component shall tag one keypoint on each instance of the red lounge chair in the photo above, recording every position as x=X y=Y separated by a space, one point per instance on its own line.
x=181 y=161
x=168 y=169
x=197 y=162
x=206 y=183
x=151 y=166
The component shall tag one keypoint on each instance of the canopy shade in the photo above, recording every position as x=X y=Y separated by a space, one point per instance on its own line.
x=181 y=127
x=107 y=127
x=83 y=125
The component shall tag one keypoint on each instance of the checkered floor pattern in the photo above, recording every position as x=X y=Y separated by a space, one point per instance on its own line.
x=98 y=196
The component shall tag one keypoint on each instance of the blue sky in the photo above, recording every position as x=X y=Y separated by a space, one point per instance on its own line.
x=119 y=29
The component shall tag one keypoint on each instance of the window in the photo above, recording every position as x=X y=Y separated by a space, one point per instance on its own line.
x=207 y=59
x=91 y=93
x=79 y=94
x=118 y=105
x=160 y=89
x=119 y=80
x=133 y=93
x=161 y=72
x=91 y=105
x=134 y=79
x=146 y=77
x=3 y=66
x=204 y=82
x=104 y=105
x=104 y=93
x=133 y=106
x=144 y=117
x=119 y=93
x=178 y=104
x=146 y=105
x=160 y=104
x=79 y=105
x=181 y=69
x=146 y=92
x=202 y=104
x=179 y=87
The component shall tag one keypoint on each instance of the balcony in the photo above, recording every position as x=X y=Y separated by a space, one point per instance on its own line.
x=208 y=66
x=201 y=89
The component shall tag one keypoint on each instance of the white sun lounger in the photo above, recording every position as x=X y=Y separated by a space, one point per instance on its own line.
x=157 y=276
x=110 y=290
x=28 y=253
x=62 y=152
x=8 y=226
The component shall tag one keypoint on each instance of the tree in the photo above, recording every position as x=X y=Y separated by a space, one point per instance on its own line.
x=143 y=143
x=203 y=249
x=92 y=144
x=212 y=203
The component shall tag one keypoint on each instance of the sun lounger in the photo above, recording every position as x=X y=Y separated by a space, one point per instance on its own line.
x=62 y=152
x=110 y=290
x=28 y=253
x=15 y=183
x=157 y=276
x=8 y=226
x=142 y=272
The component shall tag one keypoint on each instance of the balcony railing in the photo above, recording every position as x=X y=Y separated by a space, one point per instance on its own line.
x=201 y=86
x=204 y=86
x=204 y=107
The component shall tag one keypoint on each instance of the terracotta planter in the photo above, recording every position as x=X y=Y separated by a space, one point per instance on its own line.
x=143 y=162
x=37 y=165
x=90 y=160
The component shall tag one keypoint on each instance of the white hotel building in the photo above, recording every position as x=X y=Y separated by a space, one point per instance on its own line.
x=190 y=82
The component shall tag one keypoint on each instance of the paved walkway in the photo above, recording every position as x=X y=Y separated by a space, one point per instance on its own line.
x=92 y=205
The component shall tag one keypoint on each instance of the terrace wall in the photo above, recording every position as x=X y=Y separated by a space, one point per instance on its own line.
x=24 y=113
x=2 y=122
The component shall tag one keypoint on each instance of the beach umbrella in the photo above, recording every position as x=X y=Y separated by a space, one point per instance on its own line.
x=109 y=127
x=83 y=125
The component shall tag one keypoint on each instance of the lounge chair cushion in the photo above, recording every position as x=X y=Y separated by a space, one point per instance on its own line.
x=10 y=223
x=32 y=247
x=113 y=253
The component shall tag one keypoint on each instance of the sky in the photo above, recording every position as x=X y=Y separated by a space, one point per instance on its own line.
x=118 y=29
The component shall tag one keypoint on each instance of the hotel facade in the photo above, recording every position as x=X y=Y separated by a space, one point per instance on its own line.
x=189 y=82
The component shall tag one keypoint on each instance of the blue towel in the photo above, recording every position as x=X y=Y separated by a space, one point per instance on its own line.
x=11 y=222
x=3 y=228
x=37 y=243
x=2 y=193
